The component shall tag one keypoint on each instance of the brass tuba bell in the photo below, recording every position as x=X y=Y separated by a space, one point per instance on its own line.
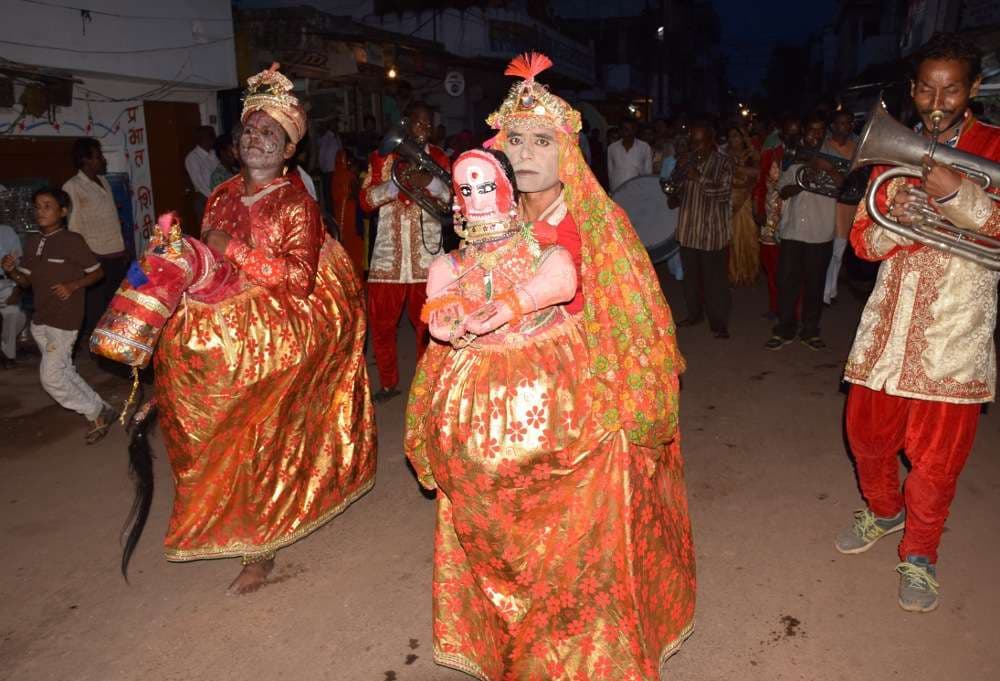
x=885 y=141
x=819 y=182
x=411 y=158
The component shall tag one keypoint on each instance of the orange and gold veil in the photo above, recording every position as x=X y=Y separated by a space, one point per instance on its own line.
x=626 y=320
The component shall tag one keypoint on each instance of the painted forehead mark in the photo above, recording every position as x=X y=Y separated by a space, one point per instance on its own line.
x=470 y=157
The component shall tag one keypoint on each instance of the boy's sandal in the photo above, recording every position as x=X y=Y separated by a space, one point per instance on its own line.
x=100 y=426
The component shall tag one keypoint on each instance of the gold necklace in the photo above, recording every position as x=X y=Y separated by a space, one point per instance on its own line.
x=488 y=230
x=489 y=260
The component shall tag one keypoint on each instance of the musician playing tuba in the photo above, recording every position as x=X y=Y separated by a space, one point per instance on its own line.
x=407 y=240
x=806 y=232
x=923 y=359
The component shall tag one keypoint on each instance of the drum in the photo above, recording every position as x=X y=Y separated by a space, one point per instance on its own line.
x=655 y=223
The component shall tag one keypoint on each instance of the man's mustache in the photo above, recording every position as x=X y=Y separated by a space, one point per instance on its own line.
x=263 y=146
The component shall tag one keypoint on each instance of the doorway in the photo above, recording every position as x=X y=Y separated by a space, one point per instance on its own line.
x=171 y=130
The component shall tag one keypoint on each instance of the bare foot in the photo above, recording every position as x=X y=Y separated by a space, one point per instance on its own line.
x=251 y=578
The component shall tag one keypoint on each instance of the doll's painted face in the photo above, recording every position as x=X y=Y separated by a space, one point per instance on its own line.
x=482 y=190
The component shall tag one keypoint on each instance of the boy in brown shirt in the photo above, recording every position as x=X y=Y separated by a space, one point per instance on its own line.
x=58 y=266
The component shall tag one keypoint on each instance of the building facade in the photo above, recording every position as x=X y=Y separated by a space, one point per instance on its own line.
x=139 y=77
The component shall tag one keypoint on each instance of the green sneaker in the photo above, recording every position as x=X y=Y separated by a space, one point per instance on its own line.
x=866 y=530
x=776 y=342
x=814 y=343
x=918 y=585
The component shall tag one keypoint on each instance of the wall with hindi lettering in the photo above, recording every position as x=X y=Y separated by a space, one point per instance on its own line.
x=112 y=112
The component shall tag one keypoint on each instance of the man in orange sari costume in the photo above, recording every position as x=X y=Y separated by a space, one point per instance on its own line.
x=563 y=546
x=264 y=400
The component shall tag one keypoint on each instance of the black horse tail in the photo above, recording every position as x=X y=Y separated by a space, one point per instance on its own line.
x=140 y=465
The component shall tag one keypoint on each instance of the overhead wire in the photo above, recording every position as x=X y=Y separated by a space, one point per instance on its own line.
x=75 y=8
x=142 y=51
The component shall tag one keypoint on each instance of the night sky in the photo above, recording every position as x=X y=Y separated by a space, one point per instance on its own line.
x=750 y=28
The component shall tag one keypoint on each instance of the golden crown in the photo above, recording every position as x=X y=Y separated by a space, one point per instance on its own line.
x=269 y=88
x=271 y=92
x=529 y=100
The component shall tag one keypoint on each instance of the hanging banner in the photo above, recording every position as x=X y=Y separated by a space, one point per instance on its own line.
x=137 y=158
x=120 y=127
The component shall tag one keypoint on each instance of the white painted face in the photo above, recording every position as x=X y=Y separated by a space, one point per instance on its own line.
x=534 y=153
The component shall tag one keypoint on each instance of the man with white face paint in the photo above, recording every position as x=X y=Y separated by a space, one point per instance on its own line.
x=581 y=492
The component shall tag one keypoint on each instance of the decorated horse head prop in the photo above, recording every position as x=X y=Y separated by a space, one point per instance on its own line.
x=174 y=266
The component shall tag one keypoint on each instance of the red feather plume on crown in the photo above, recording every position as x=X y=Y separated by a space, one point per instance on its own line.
x=528 y=65
x=529 y=99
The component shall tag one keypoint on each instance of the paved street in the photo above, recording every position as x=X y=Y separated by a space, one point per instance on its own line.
x=769 y=480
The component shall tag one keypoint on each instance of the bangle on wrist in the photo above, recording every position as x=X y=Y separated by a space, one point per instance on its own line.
x=513 y=302
x=534 y=303
x=948 y=197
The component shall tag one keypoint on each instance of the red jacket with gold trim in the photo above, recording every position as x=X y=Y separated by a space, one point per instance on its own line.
x=927 y=329
x=408 y=238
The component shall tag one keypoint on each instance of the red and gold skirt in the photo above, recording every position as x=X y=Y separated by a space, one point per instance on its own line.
x=266 y=414
x=562 y=550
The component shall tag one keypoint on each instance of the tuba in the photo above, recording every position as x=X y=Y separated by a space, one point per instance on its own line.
x=804 y=155
x=885 y=141
x=818 y=182
x=411 y=159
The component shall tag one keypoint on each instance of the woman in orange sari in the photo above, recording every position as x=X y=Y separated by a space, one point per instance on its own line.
x=344 y=191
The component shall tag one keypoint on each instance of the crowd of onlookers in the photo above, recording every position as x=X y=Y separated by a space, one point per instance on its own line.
x=743 y=210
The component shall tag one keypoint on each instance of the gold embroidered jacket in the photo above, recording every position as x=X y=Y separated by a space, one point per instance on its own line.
x=927 y=329
x=408 y=238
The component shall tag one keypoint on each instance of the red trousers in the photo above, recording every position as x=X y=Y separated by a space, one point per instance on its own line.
x=937 y=438
x=385 y=305
x=769 y=261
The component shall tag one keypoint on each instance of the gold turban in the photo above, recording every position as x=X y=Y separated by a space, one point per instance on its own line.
x=271 y=92
x=530 y=101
